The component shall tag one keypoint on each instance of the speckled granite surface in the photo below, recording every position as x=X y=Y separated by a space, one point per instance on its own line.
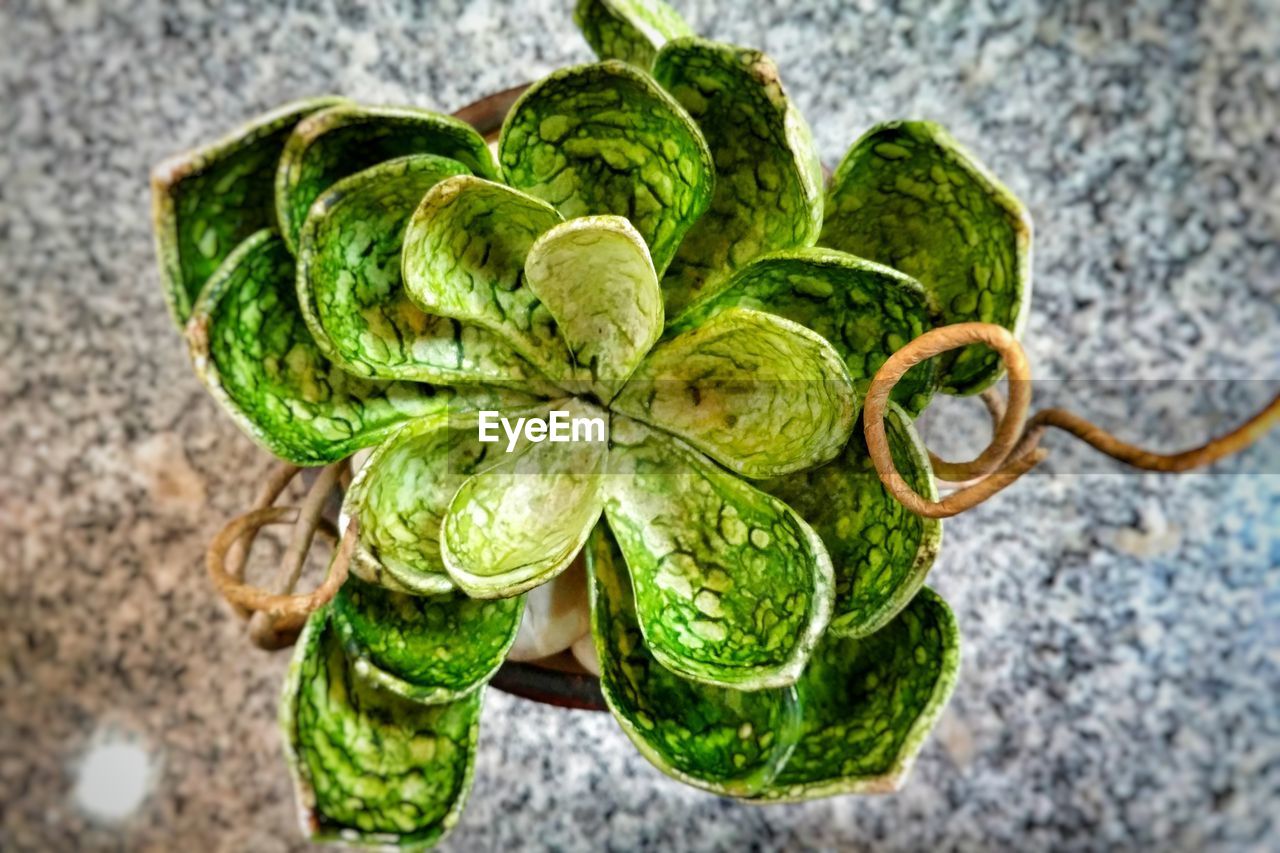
x=1122 y=655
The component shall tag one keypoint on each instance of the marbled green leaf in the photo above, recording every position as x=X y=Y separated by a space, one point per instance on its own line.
x=253 y=351
x=370 y=766
x=865 y=310
x=366 y=565
x=205 y=202
x=595 y=277
x=464 y=256
x=908 y=195
x=721 y=739
x=429 y=648
x=759 y=394
x=880 y=550
x=732 y=587
x=868 y=704
x=605 y=138
x=519 y=522
x=353 y=298
x=346 y=139
x=401 y=494
x=768 y=190
x=630 y=30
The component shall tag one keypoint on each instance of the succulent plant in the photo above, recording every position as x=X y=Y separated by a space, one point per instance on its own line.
x=652 y=257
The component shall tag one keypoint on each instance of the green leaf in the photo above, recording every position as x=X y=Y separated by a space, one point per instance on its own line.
x=768 y=189
x=206 y=201
x=759 y=394
x=464 y=257
x=521 y=521
x=605 y=138
x=401 y=494
x=881 y=551
x=728 y=741
x=595 y=277
x=429 y=648
x=869 y=704
x=353 y=298
x=369 y=766
x=908 y=195
x=366 y=566
x=732 y=588
x=630 y=30
x=350 y=138
x=866 y=311
x=253 y=351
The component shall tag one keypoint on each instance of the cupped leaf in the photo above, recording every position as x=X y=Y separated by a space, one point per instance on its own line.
x=431 y=649
x=868 y=704
x=865 y=310
x=768 y=190
x=630 y=30
x=908 y=195
x=521 y=521
x=720 y=739
x=464 y=257
x=207 y=201
x=595 y=277
x=732 y=587
x=346 y=139
x=370 y=766
x=605 y=138
x=253 y=351
x=759 y=394
x=401 y=494
x=366 y=565
x=881 y=551
x=353 y=297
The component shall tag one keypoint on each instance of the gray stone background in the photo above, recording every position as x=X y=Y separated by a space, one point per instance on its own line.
x=1122 y=632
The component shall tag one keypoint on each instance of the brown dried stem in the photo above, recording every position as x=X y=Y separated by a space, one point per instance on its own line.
x=263 y=626
x=282 y=474
x=277 y=614
x=1014 y=448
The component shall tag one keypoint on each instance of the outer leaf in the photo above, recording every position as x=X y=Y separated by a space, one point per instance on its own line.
x=402 y=493
x=759 y=394
x=880 y=550
x=630 y=30
x=768 y=193
x=429 y=648
x=724 y=740
x=595 y=277
x=908 y=195
x=865 y=310
x=369 y=766
x=353 y=299
x=205 y=202
x=605 y=138
x=732 y=587
x=520 y=522
x=464 y=255
x=252 y=349
x=869 y=704
x=346 y=139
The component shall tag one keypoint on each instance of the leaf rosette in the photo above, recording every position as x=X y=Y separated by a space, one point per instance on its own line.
x=652 y=251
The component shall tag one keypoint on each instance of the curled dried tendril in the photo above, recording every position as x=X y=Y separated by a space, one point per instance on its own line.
x=1015 y=444
x=277 y=614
